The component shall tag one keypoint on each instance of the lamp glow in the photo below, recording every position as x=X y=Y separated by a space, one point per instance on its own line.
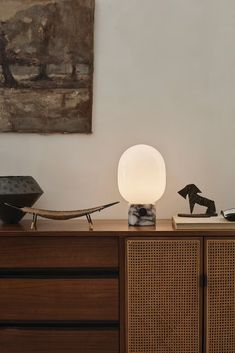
x=141 y=182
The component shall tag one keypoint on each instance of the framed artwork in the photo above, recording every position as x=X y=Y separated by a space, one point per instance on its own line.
x=46 y=66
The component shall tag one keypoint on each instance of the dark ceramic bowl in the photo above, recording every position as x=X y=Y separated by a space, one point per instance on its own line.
x=19 y=191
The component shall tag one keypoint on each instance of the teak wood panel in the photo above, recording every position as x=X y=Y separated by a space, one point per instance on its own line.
x=220 y=296
x=63 y=299
x=163 y=296
x=58 y=341
x=26 y=252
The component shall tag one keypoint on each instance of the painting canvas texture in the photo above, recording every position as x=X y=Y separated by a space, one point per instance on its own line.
x=46 y=66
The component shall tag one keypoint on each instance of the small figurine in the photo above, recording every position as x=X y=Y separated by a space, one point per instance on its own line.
x=191 y=190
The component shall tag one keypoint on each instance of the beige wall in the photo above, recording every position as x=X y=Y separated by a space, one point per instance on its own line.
x=164 y=76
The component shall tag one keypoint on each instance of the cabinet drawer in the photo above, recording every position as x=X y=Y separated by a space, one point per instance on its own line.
x=59 y=299
x=67 y=252
x=58 y=341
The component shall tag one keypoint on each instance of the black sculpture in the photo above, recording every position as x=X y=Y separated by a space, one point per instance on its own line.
x=20 y=191
x=192 y=191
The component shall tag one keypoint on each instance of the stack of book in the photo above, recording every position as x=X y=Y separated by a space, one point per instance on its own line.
x=218 y=222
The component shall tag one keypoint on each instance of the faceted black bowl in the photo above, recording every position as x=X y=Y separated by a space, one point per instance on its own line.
x=20 y=191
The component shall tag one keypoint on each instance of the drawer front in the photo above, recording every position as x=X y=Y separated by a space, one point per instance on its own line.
x=58 y=341
x=59 y=299
x=26 y=252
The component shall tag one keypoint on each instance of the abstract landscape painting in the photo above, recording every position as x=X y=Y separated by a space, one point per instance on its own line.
x=46 y=65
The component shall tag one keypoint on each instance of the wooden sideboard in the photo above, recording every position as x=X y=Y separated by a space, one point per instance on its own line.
x=65 y=289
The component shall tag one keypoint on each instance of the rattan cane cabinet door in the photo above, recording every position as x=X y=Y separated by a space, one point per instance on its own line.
x=163 y=295
x=220 y=308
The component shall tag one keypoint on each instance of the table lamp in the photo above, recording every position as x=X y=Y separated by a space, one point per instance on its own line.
x=141 y=182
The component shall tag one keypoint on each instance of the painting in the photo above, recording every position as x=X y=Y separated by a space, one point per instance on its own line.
x=46 y=66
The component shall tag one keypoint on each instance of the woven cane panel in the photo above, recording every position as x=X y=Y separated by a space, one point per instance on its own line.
x=221 y=296
x=163 y=296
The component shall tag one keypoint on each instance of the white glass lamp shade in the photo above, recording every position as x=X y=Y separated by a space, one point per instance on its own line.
x=141 y=175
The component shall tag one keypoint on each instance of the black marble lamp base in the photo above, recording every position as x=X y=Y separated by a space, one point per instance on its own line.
x=142 y=215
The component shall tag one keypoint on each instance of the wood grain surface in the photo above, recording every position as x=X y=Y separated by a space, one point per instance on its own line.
x=58 y=341
x=102 y=228
x=59 y=299
x=64 y=252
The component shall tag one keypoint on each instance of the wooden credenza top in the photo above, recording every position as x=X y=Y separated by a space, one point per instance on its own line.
x=103 y=228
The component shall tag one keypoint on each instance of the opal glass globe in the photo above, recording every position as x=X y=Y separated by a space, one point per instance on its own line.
x=141 y=175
